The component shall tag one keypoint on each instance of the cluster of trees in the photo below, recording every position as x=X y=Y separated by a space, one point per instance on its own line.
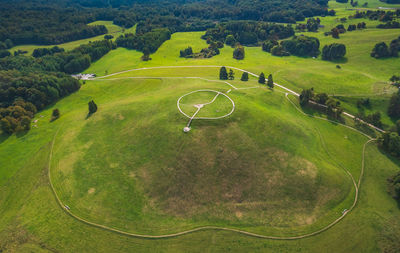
x=70 y=62
x=207 y=52
x=382 y=50
x=312 y=25
x=389 y=25
x=248 y=33
x=39 y=52
x=147 y=42
x=272 y=10
x=25 y=24
x=390 y=142
x=394 y=184
x=331 y=105
x=394 y=106
x=269 y=81
x=4 y=45
x=224 y=75
x=395 y=80
x=22 y=94
x=383 y=16
x=299 y=45
x=333 y=51
x=354 y=27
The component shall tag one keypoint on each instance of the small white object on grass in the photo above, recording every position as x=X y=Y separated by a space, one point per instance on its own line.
x=186 y=129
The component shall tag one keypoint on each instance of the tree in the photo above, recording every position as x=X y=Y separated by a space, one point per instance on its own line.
x=270 y=82
x=238 y=53
x=55 y=114
x=380 y=50
x=25 y=123
x=305 y=96
x=245 y=77
x=108 y=37
x=394 y=105
x=223 y=75
x=231 y=75
x=92 y=107
x=333 y=51
x=335 y=33
x=230 y=40
x=268 y=45
x=261 y=78
x=6 y=126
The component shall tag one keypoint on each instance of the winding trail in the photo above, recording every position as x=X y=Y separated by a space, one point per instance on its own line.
x=218 y=66
x=204 y=228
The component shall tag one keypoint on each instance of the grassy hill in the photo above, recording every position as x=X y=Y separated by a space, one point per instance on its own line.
x=267 y=168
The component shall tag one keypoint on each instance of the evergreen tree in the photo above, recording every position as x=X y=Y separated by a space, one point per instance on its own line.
x=92 y=107
x=223 y=75
x=270 y=82
x=245 y=77
x=261 y=78
x=231 y=75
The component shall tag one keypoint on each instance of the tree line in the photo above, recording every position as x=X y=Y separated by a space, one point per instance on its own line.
x=298 y=45
x=247 y=33
x=22 y=94
x=382 y=50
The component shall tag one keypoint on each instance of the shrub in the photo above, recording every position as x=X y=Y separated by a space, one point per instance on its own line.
x=55 y=114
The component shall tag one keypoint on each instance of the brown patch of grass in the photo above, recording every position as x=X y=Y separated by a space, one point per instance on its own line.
x=91 y=190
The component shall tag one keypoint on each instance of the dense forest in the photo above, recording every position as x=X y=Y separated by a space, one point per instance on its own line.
x=41 y=22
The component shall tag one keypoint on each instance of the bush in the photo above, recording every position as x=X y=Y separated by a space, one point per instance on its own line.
x=55 y=114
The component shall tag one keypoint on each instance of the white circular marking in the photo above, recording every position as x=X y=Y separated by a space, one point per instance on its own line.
x=198 y=106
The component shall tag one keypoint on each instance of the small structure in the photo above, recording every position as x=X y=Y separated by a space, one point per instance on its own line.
x=186 y=129
x=84 y=76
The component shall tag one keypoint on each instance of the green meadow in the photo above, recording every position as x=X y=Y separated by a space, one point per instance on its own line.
x=266 y=169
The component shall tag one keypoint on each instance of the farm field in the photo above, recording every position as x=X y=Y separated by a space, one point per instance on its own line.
x=259 y=165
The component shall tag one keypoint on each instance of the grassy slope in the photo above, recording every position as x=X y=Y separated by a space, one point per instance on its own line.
x=112 y=29
x=31 y=221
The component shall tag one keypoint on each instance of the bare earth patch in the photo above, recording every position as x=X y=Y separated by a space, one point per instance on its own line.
x=91 y=190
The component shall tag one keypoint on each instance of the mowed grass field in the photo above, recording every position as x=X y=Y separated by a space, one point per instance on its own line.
x=267 y=168
x=112 y=29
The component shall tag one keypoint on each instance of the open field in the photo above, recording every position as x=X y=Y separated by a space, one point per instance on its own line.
x=266 y=169
x=112 y=29
x=89 y=187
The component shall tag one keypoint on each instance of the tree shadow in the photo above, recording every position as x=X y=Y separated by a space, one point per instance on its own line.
x=21 y=133
x=4 y=137
x=341 y=60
